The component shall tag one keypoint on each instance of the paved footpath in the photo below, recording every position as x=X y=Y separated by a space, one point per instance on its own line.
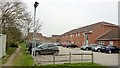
x=12 y=57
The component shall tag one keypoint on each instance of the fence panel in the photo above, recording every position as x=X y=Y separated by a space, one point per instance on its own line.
x=69 y=58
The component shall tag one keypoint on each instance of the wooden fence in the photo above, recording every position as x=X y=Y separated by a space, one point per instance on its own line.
x=70 y=58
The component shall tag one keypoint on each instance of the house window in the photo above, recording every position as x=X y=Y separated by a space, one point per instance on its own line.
x=66 y=36
x=70 y=35
x=110 y=42
x=78 y=34
x=101 y=42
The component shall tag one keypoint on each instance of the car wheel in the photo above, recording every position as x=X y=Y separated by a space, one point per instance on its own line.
x=109 y=52
x=101 y=51
x=98 y=50
x=37 y=53
x=55 y=53
x=118 y=51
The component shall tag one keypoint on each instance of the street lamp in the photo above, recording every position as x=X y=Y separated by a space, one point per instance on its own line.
x=34 y=29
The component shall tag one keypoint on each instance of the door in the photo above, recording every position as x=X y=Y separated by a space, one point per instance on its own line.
x=51 y=48
x=44 y=49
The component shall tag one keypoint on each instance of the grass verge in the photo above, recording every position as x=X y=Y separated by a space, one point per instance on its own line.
x=23 y=59
x=73 y=65
x=10 y=51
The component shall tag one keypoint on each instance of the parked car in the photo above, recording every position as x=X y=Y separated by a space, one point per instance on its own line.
x=47 y=48
x=85 y=47
x=92 y=46
x=30 y=45
x=72 y=45
x=58 y=44
x=97 y=48
x=110 y=49
x=64 y=44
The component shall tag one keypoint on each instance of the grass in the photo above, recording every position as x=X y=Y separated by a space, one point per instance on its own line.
x=73 y=65
x=9 y=52
x=23 y=59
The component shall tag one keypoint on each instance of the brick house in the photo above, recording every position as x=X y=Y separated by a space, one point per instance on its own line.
x=111 y=37
x=87 y=34
x=56 y=38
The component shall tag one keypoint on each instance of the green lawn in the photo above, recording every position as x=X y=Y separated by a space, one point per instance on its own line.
x=73 y=65
x=23 y=59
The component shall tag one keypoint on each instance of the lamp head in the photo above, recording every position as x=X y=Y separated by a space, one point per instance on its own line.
x=36 y=4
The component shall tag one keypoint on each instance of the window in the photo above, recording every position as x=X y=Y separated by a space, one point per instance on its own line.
x=78 y=34
x=70 y=35
x=51 y=45
x=111 y=42
x=101 y=42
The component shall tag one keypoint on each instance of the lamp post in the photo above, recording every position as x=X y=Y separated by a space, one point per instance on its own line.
x=34 y=30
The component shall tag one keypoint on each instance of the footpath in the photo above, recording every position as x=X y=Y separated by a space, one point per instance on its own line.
x=12 y=57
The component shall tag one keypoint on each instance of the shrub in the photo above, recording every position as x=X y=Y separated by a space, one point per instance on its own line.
x=13 y=44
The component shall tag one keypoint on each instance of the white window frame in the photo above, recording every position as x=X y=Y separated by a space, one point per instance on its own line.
x=78 y=34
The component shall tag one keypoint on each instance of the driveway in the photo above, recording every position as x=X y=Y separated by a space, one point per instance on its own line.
x=100 y=58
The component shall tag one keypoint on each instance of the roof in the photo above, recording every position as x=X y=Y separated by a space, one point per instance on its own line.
x=88 y=28
x=38 y=34
x=55 y=36
x=113 y=34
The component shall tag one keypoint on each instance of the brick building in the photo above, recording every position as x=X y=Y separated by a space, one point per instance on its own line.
x=88 y=34
x=111 y=37
x=56 y=38
x=39 y=37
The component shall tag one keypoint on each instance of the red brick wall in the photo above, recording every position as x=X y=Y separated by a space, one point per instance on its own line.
x=116 y=43
x=96 y=32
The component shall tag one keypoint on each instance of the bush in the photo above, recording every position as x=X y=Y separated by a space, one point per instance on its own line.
x=13 y=45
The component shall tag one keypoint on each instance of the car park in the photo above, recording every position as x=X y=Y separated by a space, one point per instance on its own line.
x=47 y=48
x=85 y=47
x=72 y=46
x=110 y=49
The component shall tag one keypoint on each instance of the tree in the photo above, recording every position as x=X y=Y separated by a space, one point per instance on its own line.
x=13 y=34
x=12 y=16
x=29 y=24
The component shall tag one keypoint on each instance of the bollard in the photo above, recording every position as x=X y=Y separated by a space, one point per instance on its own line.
x=70 y=57
x=53 y=59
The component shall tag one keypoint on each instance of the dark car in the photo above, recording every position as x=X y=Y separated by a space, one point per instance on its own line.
x=58 y=44
x=47 y=48
x=110 y=49
x=85 y=47
x=64 y=44
x=30 y=45
x=72 y=46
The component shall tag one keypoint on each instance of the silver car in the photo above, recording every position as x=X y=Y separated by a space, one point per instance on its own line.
x=97 y=48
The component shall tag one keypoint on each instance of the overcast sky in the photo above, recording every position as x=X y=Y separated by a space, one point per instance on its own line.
x=60 y=16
